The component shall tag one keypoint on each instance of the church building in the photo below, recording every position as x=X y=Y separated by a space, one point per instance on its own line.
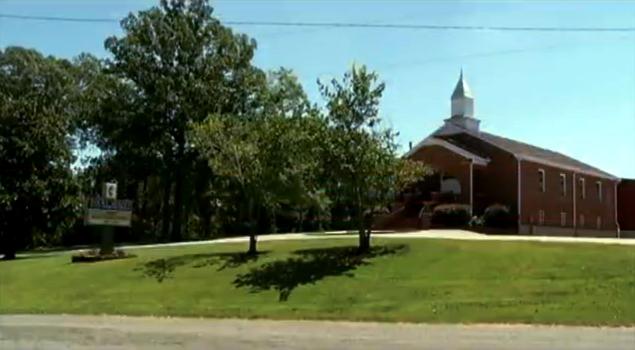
x=549 y=192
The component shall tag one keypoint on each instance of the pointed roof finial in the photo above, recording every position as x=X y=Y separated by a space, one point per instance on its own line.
x=462 y=89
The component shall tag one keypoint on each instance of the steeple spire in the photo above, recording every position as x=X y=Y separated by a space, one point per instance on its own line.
x=462 y=108
x=462 y=99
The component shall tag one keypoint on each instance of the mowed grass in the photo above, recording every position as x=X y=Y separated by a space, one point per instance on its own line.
x=411 y=280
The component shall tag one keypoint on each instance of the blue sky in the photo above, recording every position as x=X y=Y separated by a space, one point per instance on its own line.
x=569 y=92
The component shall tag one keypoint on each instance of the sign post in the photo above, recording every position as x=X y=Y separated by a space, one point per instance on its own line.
x=107 y=240
x=107 y=212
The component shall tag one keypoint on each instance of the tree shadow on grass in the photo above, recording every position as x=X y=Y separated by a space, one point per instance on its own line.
x=309 y=266
x=162 y=269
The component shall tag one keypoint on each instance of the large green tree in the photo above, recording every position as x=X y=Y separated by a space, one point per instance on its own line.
x=115 y=122
x=272 y=160
x=37 y=190
x=182 y=64
x=364 y=165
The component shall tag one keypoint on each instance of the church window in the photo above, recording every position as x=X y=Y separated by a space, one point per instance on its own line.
x=541 y=179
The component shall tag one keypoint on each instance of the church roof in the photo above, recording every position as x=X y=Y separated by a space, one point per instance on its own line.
x=462 y=89
x=525 y=151
x=531 y=152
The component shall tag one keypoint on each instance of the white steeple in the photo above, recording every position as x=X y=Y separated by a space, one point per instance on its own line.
x=462 y=109
x=462 y=99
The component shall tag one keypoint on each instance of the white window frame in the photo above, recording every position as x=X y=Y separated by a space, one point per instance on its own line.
x=582 y=188
x=598 y=185
x=542 y=178
x=563 y=184
x=541 y=217
x=563 y=218
x=598 y=222
x=581 y=223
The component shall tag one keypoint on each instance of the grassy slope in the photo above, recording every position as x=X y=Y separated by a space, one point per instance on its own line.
x=412 y=280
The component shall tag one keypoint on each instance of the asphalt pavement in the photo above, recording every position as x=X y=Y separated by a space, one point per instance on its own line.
x=54 y=332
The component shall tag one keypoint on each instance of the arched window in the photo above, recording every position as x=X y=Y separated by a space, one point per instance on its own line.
x=451 y=185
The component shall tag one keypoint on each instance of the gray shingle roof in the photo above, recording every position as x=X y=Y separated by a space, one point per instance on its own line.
x=527 y=150
x=524 y=150
x=469 y=141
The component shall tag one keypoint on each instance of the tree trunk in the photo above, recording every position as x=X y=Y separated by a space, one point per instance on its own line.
x=144 y=197
x=300 y=227
x=206 y=217
x=253 y=249
x=178 y=194
x=167 y=190
x=364 y=242
x=272 y=221
x=202 y=197
x=364 y=237
x=178 y=206
x=8 y=246
x=7 y=238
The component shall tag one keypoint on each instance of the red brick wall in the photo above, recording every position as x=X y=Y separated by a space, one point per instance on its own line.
x=592 y=206
x=450 y=163
x=553 y=203
x=626 y=204
x=496 y=183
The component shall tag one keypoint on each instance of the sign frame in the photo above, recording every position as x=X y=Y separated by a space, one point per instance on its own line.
x=108 y=212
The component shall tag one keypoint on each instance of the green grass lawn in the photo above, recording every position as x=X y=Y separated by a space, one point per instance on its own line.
x=414 y=280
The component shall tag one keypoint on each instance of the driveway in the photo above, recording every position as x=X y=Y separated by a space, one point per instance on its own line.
x=421 y=234
x=114 y=332
x=469 y=235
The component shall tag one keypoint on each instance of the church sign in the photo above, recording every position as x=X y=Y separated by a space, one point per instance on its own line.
x=107 y=210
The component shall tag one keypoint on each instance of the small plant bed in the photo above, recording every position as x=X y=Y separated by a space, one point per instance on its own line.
x=94 y=255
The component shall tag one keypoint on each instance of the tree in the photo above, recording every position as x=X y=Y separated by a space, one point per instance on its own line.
x=270 y=159
x=362 y=154
x=37 y=187
x=114 y=121
x=183 y=65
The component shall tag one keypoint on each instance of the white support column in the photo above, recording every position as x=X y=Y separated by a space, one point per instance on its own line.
x=471 y=187
x=519 y=196
x=575 y=210
x=617 y=224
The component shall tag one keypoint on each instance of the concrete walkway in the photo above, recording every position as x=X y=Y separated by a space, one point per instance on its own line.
x=421 y=234
x=113 y=332
x=469 y=235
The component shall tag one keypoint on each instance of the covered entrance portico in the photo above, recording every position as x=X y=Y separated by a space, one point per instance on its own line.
x=451 y=182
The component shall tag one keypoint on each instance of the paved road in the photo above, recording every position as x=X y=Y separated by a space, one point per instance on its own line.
x=422 y=234
x=122 y=333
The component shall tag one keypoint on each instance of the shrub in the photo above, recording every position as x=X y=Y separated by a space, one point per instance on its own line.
x=451 y=215
x=476 y=221
x=498 y=216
